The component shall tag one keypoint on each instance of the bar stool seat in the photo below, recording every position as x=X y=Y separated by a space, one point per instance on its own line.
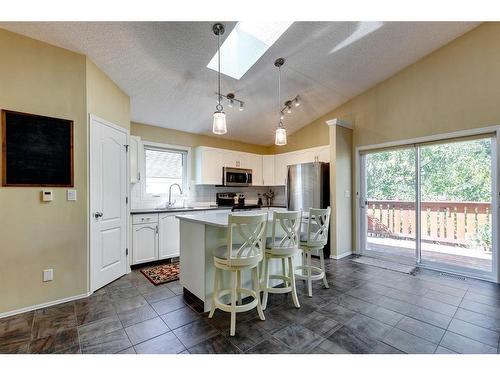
x=283 y=247
x=313 y=240
x=235 y=258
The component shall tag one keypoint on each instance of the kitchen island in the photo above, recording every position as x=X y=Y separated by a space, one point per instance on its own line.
x=200 y=235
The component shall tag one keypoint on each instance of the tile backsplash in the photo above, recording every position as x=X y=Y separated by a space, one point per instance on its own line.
x=203 y=195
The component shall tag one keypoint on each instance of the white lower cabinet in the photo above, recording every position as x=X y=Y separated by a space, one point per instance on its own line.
x=144 y=243
x=169 y=236
x=156 y=236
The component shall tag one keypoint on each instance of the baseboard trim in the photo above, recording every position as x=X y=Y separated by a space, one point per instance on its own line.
x=343 y=255
x=43 y=305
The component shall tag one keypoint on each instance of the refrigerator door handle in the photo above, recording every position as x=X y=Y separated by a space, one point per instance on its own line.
x=287 y=187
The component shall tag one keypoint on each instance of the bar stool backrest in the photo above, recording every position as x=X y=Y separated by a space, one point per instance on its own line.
x=246 y=238
x=285 y=232
x=317 y=227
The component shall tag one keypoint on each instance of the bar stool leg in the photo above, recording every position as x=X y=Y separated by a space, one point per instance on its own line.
x=256 y=283
x=322 y=260
x=266 y=282
x=291 y=272
x=233 y=302
x=309 y=274
x=283 y=272
x=215 y=292
x=238 y=273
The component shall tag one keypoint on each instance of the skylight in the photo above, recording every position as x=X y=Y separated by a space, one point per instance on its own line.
x=245 y=45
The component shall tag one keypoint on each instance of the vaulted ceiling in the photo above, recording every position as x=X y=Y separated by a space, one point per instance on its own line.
x=162 y=67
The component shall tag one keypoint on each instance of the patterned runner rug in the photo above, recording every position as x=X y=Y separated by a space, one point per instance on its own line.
x=163 y=273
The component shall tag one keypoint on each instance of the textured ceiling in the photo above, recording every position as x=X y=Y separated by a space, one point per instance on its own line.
x=162 y=67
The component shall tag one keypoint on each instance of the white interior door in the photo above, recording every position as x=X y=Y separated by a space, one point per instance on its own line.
x=108 y=207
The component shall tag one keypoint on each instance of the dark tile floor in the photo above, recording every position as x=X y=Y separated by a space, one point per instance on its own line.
x=366 y=310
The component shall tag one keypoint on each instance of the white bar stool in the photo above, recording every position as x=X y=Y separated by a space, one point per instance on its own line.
x=314 y=239
x=236 y=257
x=282 y=246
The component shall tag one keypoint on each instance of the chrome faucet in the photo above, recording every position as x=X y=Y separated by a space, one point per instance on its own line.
x=170 y=203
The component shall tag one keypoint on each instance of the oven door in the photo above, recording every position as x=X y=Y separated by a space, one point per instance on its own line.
x=237 y=177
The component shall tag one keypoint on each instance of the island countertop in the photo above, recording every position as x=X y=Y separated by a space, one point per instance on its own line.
x=219 y=219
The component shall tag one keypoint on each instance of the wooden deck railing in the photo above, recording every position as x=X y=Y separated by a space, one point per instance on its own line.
x=453 y=223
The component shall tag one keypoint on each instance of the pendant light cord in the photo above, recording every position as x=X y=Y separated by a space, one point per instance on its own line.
x=219 y=107
x=279 y=95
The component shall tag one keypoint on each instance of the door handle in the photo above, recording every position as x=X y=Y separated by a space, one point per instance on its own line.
x=97 y=215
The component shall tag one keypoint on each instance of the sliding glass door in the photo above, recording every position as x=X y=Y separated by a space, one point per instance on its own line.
x=389 y=203
x=431 y=204
x=456 y=204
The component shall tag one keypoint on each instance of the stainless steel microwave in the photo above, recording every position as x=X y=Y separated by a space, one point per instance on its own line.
x=236 y=177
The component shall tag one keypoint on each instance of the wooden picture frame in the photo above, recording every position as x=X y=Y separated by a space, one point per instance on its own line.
x=46 y=154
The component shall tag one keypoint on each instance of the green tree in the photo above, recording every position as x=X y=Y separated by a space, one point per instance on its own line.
x=456 y=171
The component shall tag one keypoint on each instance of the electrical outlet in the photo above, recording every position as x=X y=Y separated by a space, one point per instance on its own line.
x=48 y=275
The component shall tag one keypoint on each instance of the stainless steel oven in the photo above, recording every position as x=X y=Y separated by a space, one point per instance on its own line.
x=236 y=177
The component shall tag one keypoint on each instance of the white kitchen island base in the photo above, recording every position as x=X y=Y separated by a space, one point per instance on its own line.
x=200 y=235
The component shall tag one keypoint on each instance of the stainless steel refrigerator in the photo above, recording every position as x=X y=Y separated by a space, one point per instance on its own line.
x=308 y=186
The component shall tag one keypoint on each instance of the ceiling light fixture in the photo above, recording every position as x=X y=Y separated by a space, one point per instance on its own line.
x=280 y=137
x=219 y=124
x=231 y=99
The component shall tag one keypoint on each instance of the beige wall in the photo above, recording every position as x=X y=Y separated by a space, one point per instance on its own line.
x=175 y=137
x=312 y=135
x=42 y=79
x=454 y=88
x=105 y=99
x=50 y=81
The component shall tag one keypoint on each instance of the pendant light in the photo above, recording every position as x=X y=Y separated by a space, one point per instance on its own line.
x=280 y=138
x=219 y=124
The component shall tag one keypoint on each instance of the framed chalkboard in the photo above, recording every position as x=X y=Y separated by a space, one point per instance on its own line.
x=36 y=150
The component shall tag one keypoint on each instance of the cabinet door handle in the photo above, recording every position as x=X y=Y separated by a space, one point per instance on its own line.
x=138 y=176
x=156 y=229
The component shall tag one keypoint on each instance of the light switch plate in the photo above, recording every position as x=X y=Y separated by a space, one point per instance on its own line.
x=71 y=194
x=347 y=194
x=48 y=275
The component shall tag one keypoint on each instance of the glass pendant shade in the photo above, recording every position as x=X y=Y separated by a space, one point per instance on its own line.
x=280 y=139
x=219 y=126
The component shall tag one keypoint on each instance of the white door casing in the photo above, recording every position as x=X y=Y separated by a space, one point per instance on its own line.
x=107 y=198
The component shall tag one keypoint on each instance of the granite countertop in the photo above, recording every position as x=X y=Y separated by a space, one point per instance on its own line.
x=177 y=209
x=140 y=211
x=219 y=219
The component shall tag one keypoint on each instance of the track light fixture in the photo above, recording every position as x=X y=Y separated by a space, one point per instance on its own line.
x=231 y=101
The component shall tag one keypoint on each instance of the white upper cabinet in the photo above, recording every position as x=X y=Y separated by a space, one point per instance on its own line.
x=308 y=155
x=324 y=154
x=254 y=162
x=135 y=152
x=209 y=162
x=268 y=170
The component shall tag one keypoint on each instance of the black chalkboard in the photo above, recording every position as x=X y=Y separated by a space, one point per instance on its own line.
x=36 y=150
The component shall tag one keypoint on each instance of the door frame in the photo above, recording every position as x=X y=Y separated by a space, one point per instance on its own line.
x=91 y=119
x=360 y=226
